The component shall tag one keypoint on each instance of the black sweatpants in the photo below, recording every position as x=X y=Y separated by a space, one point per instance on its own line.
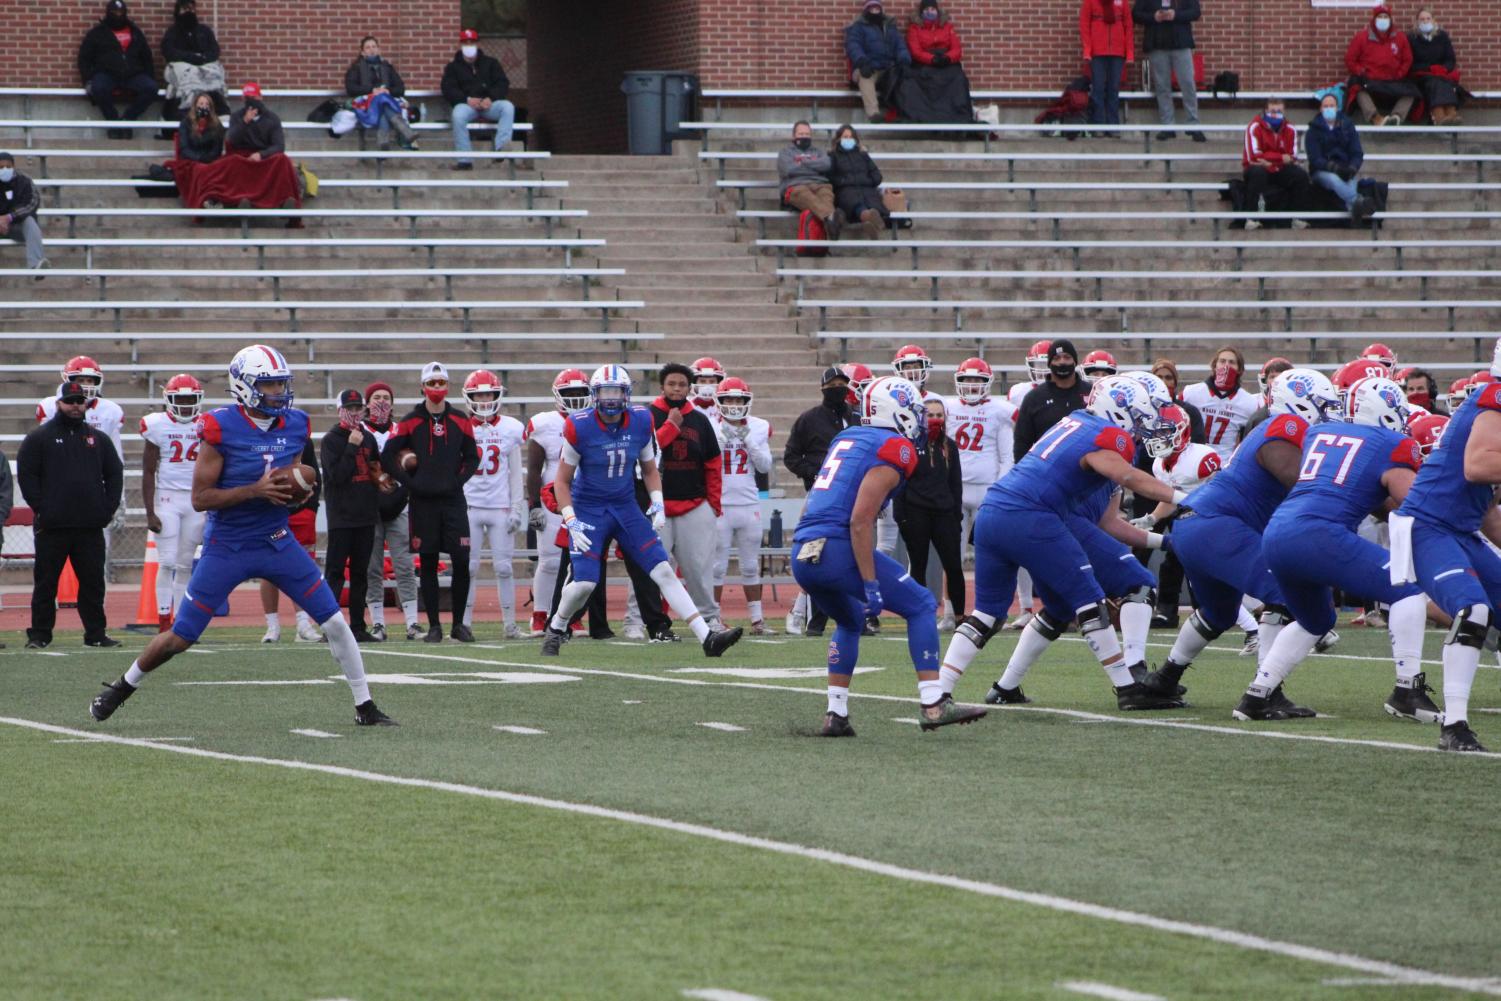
x=54 y=547
x=943 y=530
x=1291 y=180
x=350 y=546
x=441 y=525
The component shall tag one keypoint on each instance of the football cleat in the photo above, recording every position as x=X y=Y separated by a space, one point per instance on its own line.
x=835 y=725
x=946 y=624
x=414 y=631
x=1162 y=620
x=37 y=644
x=1252 y=645
x=1139 y=671
x=552 y=646
x=307 y=632
x=998 y=696
x=378 y=633
x=273 y=635
x=364 y=636
x=106 y=702
x=1165 y=680
x=434 y=635
x=539 y=623
x=1252 y=708
x=1459 y=737
x=511 y=631
x=872 y=627
x=717 y=642
x=462 y=633
x=1279 y=701
x=1020 y=622
x=946 y=712
x=1412 y=702
x=366 y=714
x=1138 y=697
x=761 y=629
x=666 y=636
x=1326 y=642
x=634 y=632
x=795 y=623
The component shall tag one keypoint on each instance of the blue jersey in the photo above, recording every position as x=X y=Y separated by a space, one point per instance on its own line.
x=1441 y=495
x=854 y=452
x=1092 y=506
x=1050 y=476
x=1245 y=489
x=247 y=452
x=604 y=455
x=1340 y=479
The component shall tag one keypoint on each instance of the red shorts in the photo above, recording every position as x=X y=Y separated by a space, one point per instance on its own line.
x=304 y=526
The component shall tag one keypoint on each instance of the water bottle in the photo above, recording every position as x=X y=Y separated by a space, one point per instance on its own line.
x=776 y=528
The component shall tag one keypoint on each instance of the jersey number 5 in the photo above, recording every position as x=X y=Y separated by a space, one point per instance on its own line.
x=1323 y=443
x=831 y=464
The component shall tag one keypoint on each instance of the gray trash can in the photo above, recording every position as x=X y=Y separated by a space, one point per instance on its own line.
x=656 y=101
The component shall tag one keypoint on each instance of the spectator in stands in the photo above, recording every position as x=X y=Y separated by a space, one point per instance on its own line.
x=1335 y=156
x=1109 y=44
x=19 y=201
x=115 y=56
x=1435 y=69
x=1379 y=60
x=1168 y=35
x=191 y=53
x=475 y=87
x=1167 y=370
x=857 y=183
x=804 y=178
x=254 y=130
x=1051 y=400
x=71 y=478
x=936 y=89
x=874 y=46
x=930 y=509
x=1270 y=162
x=690 y=485
x=200 y=134
x=377 y=90
x=256 y=173
x=352 y=484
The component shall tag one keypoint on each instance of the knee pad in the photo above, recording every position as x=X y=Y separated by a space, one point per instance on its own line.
x=1047 y=627
x=1093 y=618
x=1145 y=594
x=1275 y=615
x=1203 y=628
x=976 y=631
x=663 y=575
x=1472 y=628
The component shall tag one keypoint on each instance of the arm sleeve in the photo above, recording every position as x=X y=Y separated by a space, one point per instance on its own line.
x=1188 y=10
x=956 y=472
x=86 y=58
x=714 y=485
x=398 y=87
x=667 y=433
x=1449 y=61
x=277 y=140
x=852 y=47
x=499 y=85
x=1406 y=454
x=401 y=437
x=1117 y=440
x=900 y=454
x=956 y=50
x=1025 y=435
x=310 y=458
x=518 y=493
x=27 y=200
x=1404 y=55
x=453 y=93
x=760 y=454
x=7 y=490
x=1142 y=11
x=114 y=476
x=1314 y=145
x=1352 y=54
x=1286 y=427
x=1357 y=151
x=1208 y=466
x=1084 y=28
x=210 y=43
x=899 y=45
x=171 y=51
x=794 y=453
x=1195 y=425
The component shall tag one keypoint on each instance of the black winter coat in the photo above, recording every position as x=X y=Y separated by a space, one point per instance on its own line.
x=264 y=135
x=481 y=78
x=19 y=198
x=809 y=441
x=1435 y=51
x=857 y=182
x=1043 y=407
x=937 y=484
x=70 y=474
x=446 y=458
x=196 y=45
x=203 y=147
x=361 y=78
x=101 y=53
x=1164 y=36
x=349 y=479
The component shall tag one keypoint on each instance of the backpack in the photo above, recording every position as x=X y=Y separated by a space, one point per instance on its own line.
x=810 y=227
x=1226 y=81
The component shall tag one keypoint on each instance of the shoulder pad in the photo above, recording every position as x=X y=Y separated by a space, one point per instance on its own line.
x=899 y=452
x=1286 y=427
x=208 y=429
x=1489 y=398
x=1209 y=465
x=1114 y=439
x=1407 y=454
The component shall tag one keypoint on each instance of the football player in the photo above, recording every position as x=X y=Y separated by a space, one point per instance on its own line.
x=1383 y=356
x=859 y=376
x=835 y=560
x=544 y=449
x=912 y=363
x=745 y=451
x=1217 y=535
x=392 y=530
x=1435 y=542
x=596 y=492
x=981 y=426
x=171 y=438
x=1037 y=373
x=1098 y=364
x=1225 y=404
x=494 y=494
x=707 y=375
x=1348 y=470
x=246 y=534
x=1025 y=522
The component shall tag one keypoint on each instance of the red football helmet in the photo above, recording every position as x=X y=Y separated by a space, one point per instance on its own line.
x=734 y=398
x=1099 y=363
x=860 y=376
x=1352 y=372
x=183 y=396
x=1178 y=418
x=86 y=372
x=912 y=363
x=1459 y=391
x=1037 y=361
x=1381 y=355
x=972 y=380
x=1427 y=430
x=483 y=381
x=571 y=390
x=707 y=374
x=1480 y=379
x=1401 y=374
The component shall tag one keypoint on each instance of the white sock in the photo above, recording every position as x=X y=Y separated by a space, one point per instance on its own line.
x=1280 y=656
x=302 y=617
x=1106 y=647
x=1024 y=589
x=1136 y=622
x=346 y=651
x=929 y=692
x=1188 y=645
x=1460 y=664
x=839 y=700
x=506 y=586
x=800 y=606
x=377 y=614
x=1246 y=621
x=948 y=677
x=135 y=675
x=753 y=608
x=409 y=611
x=273 y=620
x=677 y=598
x=1029 y=647
x=1269 y=633
x=1404 y=623
x=575 y=596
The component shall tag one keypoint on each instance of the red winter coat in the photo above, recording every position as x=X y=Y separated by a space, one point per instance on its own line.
x=1277 y=148
x=1378 y=56
x=1106 y=29
x=922 y=39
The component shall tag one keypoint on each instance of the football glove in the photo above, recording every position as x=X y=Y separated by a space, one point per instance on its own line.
x=1146 y=522
x=537 y=517
x=515 y=522
x=578 y=539
x=873 y=604
x=657 y=515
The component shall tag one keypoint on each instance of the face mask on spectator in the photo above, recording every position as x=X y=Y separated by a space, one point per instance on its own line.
x=435 y=394
x=7 y=174
x=187 y=19
x=1224 y=379
x=846 y=143
x=1383 y=23
x=874 y=17
x=1426 y=27
x=930 y=14
x=833 y=396
x=1330 y=114
x=349 y=419
x=803 y=142
x=1062 y=369
x=1273 y=122
x=469 y=51
x=372 y=60
x=935 y=428
x=379 y=411
x=1420 y=398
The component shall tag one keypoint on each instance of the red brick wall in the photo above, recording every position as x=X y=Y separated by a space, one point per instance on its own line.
x=288 y=43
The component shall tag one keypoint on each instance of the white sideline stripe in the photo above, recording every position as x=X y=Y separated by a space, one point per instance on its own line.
x=632 y=702
x=261 y=681
x=905 y=719
x=95 y=740
x=1210 y=933
x=720 y=994
x=316 y=733
x=726 y=727
x=523 y=730
x=1095 y=989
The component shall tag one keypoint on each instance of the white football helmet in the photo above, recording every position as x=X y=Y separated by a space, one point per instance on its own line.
x=610 y=389
x=1378 y=402
x=894 y=403
x=1156 y=389
x=1306 y=394
x=1124 y=402
x=253 y=366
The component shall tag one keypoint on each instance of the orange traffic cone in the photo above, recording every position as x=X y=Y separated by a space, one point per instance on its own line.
x=146 y=614
x=67 y=587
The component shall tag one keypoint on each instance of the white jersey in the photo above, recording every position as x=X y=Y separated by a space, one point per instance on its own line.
x=983 y=432
x=741 y=459
x=379 y=436
x=546 y=429
x=1224 y=417
x=1188 y=468
x=499 y=443
x=104 y=416
x=178 y=444
x=1018 y=392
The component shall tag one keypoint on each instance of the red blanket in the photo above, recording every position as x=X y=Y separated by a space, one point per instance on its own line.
x=231 y=179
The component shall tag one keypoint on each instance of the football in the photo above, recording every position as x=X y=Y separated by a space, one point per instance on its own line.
x=301 y=478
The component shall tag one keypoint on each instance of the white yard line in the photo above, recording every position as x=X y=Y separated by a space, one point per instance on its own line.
x=726 y=727
x=720 y=994
x=316 y=733
x=1208 y=933
x=1095 y=989
x=525 y=731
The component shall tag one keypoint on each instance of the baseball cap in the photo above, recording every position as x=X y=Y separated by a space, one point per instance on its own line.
x=350 y=398
x=434 y=370
x=115 y=5
x=830 y=374
x=72 y=392
x=468 y=35
x=251 y=89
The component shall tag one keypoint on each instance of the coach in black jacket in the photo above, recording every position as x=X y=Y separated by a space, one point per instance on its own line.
x=351 y=488
x=1050 y=401
x=71 y=478
x=816 y=427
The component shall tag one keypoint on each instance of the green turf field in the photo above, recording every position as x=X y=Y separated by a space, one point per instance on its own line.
x=612 y=846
